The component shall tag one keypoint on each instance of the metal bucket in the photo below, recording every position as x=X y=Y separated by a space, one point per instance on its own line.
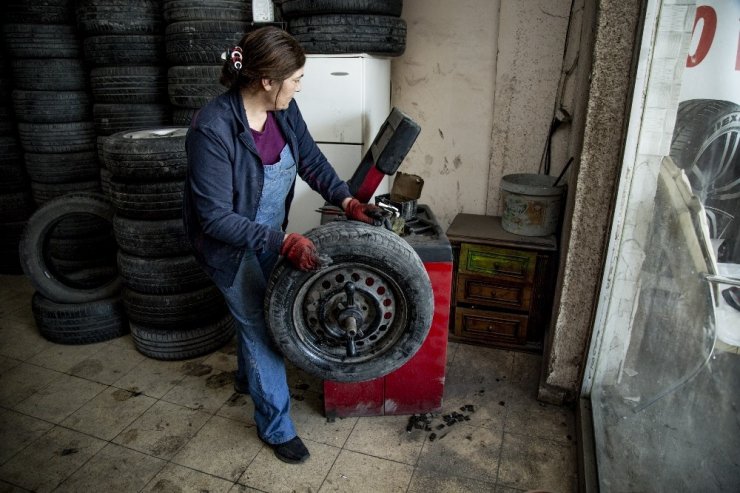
x=531 y=204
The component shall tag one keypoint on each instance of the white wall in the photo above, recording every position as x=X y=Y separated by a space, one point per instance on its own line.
x=480 y=77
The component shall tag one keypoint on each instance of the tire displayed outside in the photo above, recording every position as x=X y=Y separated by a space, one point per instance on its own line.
x=361 y=316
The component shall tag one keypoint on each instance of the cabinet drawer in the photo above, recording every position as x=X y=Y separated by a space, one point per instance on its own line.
x=485 y=291
x=503 y=263
x=490 y=326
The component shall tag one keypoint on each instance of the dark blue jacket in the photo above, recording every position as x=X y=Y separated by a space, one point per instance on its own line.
x=224 y=183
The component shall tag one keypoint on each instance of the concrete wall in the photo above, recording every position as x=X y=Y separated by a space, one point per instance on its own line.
x=480 y=77
x=608 y=40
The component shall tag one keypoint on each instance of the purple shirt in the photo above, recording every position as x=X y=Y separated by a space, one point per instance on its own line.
x=270 y=141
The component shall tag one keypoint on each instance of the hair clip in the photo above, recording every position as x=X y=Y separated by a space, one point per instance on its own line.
x=234 y=55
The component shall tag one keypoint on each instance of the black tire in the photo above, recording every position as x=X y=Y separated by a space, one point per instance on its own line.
x=129 y=84
x=154 y=153
x=161 y=275
x=182 y=344
x=39 y=12
x=33 y=246
x=152 y=239
x=175 y=310
x=147 y=200
x=705 y=130
x=58 y=74
x=62 y=167
x=57 y=138
x=52 y=106
x=79 y=323
x=93 y=250
x=300 y=8
x=42 y=41
x=119 y=16
x=202 y=42
x=119 y=117
x=124 y=49
x=350 y=33
x=193 y=86
x=10 y=151
x=7 y=120
x=44 y=192
x=10 y=238
x=200 y=10
x=13 y=179
x=183 y=116
x=392 y=291
x=16 y=206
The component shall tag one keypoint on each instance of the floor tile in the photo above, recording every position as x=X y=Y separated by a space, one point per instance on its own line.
x=479 y=367
x=108 y=365
x=308 y=417
x=526 y=370
x=6 y=487
x=152 y=377
x=174 y=478
x=554 y=422
x=386 y=437
x=488 y=406
x=360 y=473
x=268 y=473
x=20 y=339
x=62 y=357
x=108 y=413
x=114 y=468
x=162 y=430
x=464 y=451
x=22 y=381
x=239 y=407
x=50 y=459
x=18 y=430
x=205 y=389
x=222 y=447
x=240 y=488
x=222 y=360
x=59 y=399
x=425 y=481
x=8 y=363
x=534 y=463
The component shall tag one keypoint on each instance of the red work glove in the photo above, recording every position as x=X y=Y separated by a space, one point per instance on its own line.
x=367 y=213
x=301 y=252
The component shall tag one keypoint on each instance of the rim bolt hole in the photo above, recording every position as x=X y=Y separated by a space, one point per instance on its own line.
x=387 y=315
x=369 y=281
x=326 y=284
x=339 y=278
x=381 y=290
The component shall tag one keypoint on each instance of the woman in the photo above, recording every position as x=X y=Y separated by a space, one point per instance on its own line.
x=244 y=150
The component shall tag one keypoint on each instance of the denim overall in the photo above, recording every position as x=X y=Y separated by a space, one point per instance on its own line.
x=259 y=364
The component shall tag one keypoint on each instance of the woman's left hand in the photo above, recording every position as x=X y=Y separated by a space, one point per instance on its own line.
x=367 y=213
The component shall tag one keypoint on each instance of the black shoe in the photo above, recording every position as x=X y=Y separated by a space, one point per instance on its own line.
x=293 y=451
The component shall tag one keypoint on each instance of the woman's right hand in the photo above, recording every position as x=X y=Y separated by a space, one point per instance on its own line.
x=300 y=252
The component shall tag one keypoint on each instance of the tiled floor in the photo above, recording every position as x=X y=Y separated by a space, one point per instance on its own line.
x=105 y=418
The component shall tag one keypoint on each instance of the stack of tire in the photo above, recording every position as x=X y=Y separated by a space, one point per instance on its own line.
x=174 y=310
x=56 y=131
x=347 y=26
x=16 y=204
x=197 y=33
x=68 y=311
x=51 y=103
x=124 y=49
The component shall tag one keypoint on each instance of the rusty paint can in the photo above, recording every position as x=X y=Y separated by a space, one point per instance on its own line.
x=532 y=204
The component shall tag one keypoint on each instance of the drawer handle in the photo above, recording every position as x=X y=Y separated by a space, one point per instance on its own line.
x=490 y=328
x=339 y=74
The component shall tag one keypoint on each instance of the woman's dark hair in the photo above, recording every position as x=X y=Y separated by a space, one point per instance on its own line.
x=267 y=53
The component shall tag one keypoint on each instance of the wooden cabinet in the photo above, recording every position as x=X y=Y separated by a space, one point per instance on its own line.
x=503 y=284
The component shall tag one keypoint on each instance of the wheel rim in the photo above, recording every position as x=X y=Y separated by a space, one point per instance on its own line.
x=327 y=300
x=713 y=176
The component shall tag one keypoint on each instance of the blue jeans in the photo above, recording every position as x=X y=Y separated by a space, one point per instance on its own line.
x=259 y=363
